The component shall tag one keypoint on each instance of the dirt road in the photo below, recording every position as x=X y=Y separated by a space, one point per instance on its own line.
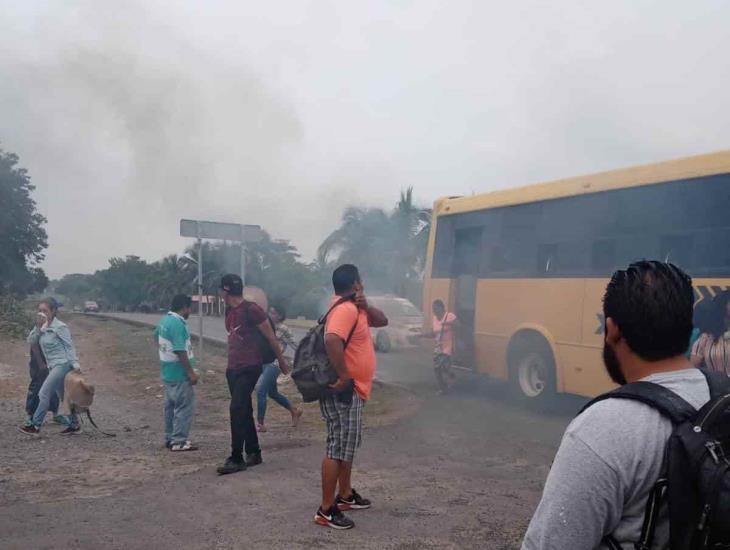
x=454 y=472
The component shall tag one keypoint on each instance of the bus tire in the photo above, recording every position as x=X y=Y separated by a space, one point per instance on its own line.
x=532 y=370
x=382 y=342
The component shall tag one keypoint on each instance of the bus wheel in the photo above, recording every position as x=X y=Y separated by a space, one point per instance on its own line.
x=533 y=375
x=382 y=342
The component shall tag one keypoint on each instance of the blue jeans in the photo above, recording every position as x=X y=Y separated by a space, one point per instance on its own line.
x=53 y=385
x=267 y=386
x=179 y=410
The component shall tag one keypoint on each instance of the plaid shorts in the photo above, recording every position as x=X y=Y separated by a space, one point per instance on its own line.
x=344 y=426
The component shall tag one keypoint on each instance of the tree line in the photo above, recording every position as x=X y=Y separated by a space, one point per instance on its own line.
x=389 y=246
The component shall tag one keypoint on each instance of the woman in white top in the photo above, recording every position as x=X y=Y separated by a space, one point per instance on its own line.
x=712 y=348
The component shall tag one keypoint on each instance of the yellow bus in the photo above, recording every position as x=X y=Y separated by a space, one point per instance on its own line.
x=525 y=269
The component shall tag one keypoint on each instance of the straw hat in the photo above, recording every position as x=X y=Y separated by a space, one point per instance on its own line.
x=256 y=295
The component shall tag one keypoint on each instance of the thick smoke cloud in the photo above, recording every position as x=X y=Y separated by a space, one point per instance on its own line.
x=132 y=115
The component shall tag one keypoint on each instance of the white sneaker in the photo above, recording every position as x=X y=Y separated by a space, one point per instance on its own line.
x=180 y=447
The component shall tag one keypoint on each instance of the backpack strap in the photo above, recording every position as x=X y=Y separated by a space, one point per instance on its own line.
x=660 y=398
x=323 y=319
x=718 y=382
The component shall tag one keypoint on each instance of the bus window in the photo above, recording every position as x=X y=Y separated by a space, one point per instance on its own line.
x=678 y=250
x=547 y=258
x=467 y=246
x=603 y=257
x=712 y=253
x=443 y=255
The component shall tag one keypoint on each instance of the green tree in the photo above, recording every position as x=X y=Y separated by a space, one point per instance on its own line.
x=172 y=275
x=22 y=236
x=124 y=282
x=78 y=287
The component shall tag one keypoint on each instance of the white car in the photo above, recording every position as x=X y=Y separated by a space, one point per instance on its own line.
x=405 y=322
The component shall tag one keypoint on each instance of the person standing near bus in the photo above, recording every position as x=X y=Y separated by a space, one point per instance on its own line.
x=443 y=325
x=712 y=348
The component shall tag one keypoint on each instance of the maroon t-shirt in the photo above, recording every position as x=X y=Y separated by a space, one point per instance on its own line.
x=243 y=346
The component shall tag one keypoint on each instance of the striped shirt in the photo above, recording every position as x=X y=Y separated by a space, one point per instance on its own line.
x=715 y=353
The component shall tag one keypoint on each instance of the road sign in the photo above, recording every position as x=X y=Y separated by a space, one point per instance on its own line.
x=235 y=232
x=220 y=231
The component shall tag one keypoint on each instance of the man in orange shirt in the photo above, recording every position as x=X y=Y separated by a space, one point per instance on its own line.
x=351 y=352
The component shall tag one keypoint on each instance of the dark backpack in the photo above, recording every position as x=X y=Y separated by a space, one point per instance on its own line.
x=312 y=371
x=695 y=478
x=267 y=352
x=265 y=349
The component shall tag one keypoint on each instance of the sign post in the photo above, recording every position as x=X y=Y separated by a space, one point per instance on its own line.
x=222 y=232
x=200 y=295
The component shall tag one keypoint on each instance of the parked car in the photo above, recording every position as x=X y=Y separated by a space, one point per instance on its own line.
x=91 y=307
x=405 y=322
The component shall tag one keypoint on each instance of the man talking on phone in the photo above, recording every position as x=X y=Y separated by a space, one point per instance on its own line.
x=351 y=352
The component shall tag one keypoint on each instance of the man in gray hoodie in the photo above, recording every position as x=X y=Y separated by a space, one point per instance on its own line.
x=611 y=454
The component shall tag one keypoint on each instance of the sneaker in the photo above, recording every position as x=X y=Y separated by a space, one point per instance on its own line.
x=168 y=444
x=182 y=447
x=231 y=466
x=28 y=421
x=260 y=427
x=60 y=419
x=71 y=430
x=30 y=430
x=296 y=414
x=334 y=519
x=354 y=502
x=254 y=459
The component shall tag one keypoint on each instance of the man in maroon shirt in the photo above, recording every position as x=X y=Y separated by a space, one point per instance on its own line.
x=245 y=323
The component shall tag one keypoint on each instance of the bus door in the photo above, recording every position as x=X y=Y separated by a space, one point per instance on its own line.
x=467 y=253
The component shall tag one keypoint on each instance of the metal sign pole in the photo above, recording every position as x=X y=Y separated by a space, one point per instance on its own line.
x=243 y=254
x=235 y=232
x=200 y=298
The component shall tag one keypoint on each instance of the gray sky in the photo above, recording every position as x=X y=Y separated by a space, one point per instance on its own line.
x=133 y=115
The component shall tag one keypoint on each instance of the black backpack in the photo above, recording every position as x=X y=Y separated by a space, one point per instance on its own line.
x=695 y=478
x=312 y=371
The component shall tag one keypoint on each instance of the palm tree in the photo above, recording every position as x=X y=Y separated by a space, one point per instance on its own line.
x=171 y=275
x=390 y=248
x=412 y=226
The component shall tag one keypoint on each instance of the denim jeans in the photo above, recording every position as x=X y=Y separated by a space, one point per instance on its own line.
x=38 y=375
x=179 y=410
x=267 y=386
x=53 y=384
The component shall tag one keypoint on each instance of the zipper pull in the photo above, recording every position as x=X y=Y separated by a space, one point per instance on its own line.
x=713 y=453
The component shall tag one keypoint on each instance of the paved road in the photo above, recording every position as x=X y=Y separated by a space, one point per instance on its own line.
x=411 y=368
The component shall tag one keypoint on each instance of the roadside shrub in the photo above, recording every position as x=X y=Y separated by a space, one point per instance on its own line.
x=15 y=321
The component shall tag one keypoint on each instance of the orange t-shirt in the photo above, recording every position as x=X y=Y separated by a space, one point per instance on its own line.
x=360 y=352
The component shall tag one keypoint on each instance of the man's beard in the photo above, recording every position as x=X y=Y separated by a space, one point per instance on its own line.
x=186 y=316
x=613 y=367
